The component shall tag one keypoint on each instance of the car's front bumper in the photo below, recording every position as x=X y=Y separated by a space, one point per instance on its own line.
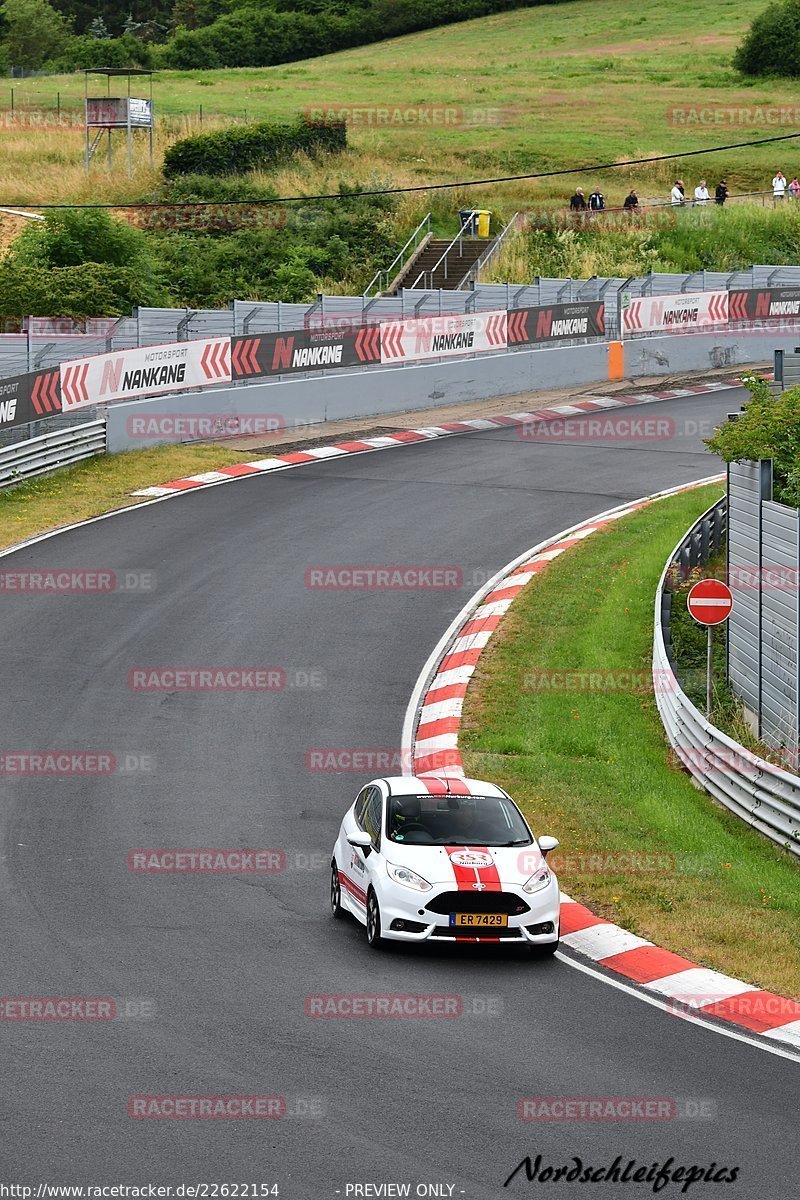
x=402 y=907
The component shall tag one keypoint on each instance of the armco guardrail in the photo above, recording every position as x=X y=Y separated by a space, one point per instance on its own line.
x=763 y=795
x=42 y=454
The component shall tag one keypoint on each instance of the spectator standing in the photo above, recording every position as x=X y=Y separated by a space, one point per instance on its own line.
x=597 y=200
x=631 y=201
x=721 y=194
x=794 y=189
x=678 y=195
x=701 y=193
x=779 y=186
x=578 y=201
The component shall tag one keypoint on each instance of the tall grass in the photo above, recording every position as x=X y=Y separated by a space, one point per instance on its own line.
x=714 y=239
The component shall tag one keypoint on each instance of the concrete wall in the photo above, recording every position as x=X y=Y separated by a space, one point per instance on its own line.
x=368 y=393
x=339 y=395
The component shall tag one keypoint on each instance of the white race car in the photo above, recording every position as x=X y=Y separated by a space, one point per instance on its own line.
x=449 y=860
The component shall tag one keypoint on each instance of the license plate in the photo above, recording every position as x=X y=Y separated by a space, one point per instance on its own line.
x=478 y=920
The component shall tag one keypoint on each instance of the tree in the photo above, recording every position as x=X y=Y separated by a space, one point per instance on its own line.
x=772 y=44
x=98 y=29
x=35 y=31
x=767 y=427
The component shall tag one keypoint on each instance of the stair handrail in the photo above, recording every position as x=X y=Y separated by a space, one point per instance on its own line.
x=489 y=253
x=390 y=272
x=459 y=238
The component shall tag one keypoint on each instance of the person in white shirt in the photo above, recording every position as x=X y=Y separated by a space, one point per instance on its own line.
x=678 y=196
x=779 y=186
x=701 y=193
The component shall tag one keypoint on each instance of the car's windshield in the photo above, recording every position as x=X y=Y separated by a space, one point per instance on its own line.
x=456 y=821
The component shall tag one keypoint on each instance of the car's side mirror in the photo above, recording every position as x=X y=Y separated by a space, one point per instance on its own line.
x=362 y=840
x=547 y=843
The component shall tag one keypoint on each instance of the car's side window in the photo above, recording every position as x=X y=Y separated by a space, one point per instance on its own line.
x=372 y=816
x=362 y=799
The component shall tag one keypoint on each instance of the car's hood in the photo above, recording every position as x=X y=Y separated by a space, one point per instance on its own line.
x=466 y=866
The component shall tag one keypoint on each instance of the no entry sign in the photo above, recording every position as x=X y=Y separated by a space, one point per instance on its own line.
x=710 y=602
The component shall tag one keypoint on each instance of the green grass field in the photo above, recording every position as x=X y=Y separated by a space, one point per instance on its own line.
x=591 y=81
x=592 y=767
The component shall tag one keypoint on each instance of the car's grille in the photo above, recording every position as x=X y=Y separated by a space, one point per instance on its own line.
x=478 y=902
x=471 y=935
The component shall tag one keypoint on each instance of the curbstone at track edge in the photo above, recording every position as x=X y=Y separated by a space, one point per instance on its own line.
x=431 y=736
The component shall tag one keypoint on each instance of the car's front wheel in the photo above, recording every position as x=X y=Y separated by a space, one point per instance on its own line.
x=374 y=922
x=336 y=894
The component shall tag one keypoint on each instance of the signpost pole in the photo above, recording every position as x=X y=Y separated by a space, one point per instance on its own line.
x=709 y=669
x=709 y=603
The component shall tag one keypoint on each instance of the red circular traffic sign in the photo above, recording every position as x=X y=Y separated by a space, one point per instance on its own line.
x=710 y=602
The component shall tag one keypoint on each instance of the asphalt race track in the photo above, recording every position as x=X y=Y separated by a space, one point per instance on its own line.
x=210 y=972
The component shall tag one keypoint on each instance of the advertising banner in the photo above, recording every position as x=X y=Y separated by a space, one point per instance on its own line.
x=556 y=322
x=764 y=304
x=443 y=337
x=146 y=371
x=687 y=310
x=29 y=397
x=304 y=350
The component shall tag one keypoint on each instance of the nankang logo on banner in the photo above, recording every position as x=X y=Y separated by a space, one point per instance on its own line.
x=438 y=337
x=689 y=310
x=146 y=370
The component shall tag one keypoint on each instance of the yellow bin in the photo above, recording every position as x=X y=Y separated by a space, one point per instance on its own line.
x=484 y=217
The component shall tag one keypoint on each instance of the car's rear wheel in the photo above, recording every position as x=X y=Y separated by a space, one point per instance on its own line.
x=336 y=894
x=544 y=949
x=374 y=922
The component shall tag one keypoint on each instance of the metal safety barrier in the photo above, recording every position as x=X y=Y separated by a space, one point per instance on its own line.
x=38 y=455
x=762 y=794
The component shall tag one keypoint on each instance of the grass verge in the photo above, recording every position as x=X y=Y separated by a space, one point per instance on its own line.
x=99 y=485
x=533 y=89
x=592 y=766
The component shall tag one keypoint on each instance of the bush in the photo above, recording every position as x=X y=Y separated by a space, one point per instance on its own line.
x=767 y=427
x=250 y=147
x=291 y=259
x=82 y=52
x=251 y=36
x=68 y=237
x=88 y=290
x=772 y=46
x=79 y=263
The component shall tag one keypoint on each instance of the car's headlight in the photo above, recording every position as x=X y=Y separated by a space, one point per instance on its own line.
x=538 y=881
x=408 y=878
